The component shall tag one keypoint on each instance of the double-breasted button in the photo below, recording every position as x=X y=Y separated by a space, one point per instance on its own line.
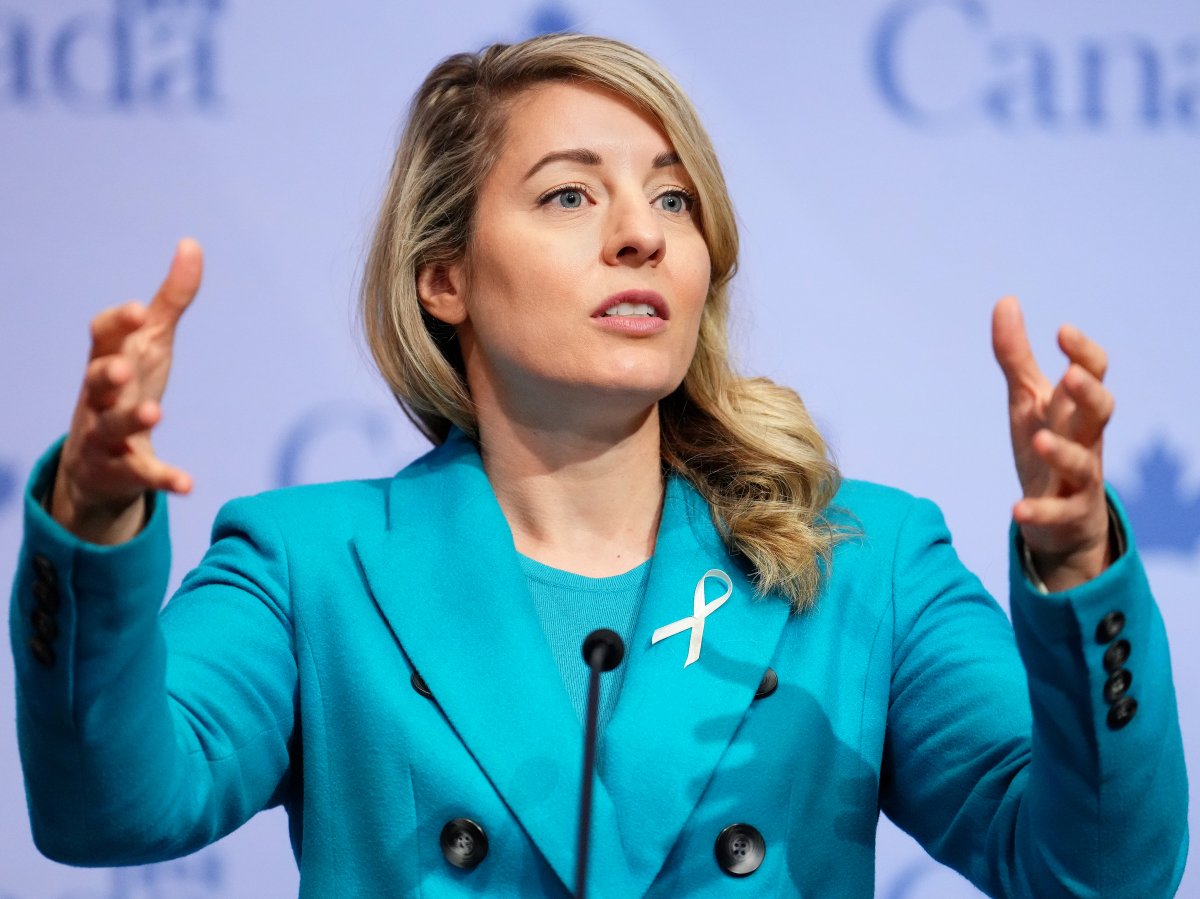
x=1117 y=685
x=41 y=651
x=1121 y=712
x=418 y=684
x=46 y=596
x=767 y=685
x=1108 y=628
x=44 y=625
x=1116 y=656
x=464 y=844
x=740 y=850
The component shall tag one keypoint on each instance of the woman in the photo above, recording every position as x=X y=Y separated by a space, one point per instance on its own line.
x=546 y=298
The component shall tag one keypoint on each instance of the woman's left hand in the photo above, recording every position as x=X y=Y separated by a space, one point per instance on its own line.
x=1057 y=437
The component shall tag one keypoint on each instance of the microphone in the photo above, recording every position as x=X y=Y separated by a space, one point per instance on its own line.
x=603 y=650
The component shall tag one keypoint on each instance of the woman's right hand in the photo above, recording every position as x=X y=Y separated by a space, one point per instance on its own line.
x=107 y=464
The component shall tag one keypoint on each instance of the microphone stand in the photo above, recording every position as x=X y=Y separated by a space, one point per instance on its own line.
x=603 y=650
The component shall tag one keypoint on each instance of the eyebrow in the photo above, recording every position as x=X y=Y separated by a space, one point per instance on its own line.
x=591 y=157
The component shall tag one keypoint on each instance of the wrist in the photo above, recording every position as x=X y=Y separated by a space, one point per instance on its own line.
x=104 y=523
x=1054 y=573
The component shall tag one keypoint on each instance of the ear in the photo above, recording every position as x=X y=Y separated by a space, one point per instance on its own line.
x=442 y=293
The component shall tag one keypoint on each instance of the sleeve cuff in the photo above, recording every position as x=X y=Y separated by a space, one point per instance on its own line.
x=1116 y=543
x=103 y=571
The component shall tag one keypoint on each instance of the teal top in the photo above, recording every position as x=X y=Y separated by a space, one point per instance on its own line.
x=571 y=606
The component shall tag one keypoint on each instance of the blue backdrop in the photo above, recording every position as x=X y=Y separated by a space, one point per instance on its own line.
x=896 y=166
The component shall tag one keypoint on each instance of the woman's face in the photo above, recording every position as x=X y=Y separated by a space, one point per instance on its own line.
x=587 y=271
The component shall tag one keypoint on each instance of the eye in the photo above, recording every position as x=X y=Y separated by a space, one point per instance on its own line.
x=676 y=201
x=570 y=199
x=569 y=196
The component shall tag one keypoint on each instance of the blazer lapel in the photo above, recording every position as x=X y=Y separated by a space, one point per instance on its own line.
x=673 y=723
x=446 y=577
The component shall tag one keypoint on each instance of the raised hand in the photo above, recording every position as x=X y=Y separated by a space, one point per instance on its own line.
x=107 y=463
x=1057 y=437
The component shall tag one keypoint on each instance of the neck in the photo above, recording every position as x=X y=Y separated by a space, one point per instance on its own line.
x=584 y=497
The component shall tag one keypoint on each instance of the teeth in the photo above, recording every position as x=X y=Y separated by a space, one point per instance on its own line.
x=631 y=309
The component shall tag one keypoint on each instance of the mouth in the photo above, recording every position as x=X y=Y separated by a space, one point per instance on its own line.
x=633 y=304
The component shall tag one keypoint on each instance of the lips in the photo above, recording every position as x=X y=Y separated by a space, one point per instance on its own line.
x=633 y=303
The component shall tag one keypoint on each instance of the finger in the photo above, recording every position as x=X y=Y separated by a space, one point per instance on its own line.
x=179 y=288
x=1076 y=466
x=1011 y=346
x=114 y=427
x=113 y=325
x=1060 y=411
x=1083 y=351
x=1093 y=403
x=135 y=469
x=157 y=474
x=1052 y=511
x=104 y=379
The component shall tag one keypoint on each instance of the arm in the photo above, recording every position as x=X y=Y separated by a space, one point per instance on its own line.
x=1004 y=766
x=144 y=738
x=1024 y=773
x=129 y=754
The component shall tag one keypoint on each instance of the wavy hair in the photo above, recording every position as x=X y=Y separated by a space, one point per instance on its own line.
x=747 y=445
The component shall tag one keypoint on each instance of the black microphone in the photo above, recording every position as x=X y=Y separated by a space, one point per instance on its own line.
x=603 y=650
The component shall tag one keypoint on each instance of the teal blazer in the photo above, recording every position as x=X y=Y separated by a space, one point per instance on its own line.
x=281 y=673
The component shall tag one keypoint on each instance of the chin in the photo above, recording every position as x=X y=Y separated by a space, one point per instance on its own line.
x=641 y=393
x=657 y=380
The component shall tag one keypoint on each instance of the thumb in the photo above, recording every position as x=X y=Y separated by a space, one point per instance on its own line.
x=1011 y=345
x=182 y=282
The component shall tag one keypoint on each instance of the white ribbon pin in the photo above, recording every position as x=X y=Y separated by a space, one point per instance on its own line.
x=700 y=611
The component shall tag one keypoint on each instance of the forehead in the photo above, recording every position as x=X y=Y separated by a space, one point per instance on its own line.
x=563 y=115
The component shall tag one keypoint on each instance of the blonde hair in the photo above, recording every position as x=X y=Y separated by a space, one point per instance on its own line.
x=747 y=445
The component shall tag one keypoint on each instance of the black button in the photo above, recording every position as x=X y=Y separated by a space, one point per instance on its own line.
x=45 y=570
x=46 y=596
x=767 y=685
x=44 y=625
x=1117 y=685
x=740 y=850
x=41 y=651
x=464 y=844
x=1116 y=656
x=1122 y=712
x=420 y=686
x=1108 y=628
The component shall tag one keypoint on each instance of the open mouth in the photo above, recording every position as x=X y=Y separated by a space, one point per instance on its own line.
x=633 y=304
x=632 y=309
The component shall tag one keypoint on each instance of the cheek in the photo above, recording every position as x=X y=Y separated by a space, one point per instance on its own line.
x=519 y=306
x=692 y=252
x=527 y=271
x=697 y=278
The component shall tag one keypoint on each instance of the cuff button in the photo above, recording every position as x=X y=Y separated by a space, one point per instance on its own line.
x=44 y=569
x=44 y=625
x=1109 y=627
x=1117 y=685
x=41 y=651
x=1116 y=656
x=46 y=596
x=1122 y=712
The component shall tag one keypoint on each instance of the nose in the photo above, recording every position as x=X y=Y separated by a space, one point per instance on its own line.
x=635 y=234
